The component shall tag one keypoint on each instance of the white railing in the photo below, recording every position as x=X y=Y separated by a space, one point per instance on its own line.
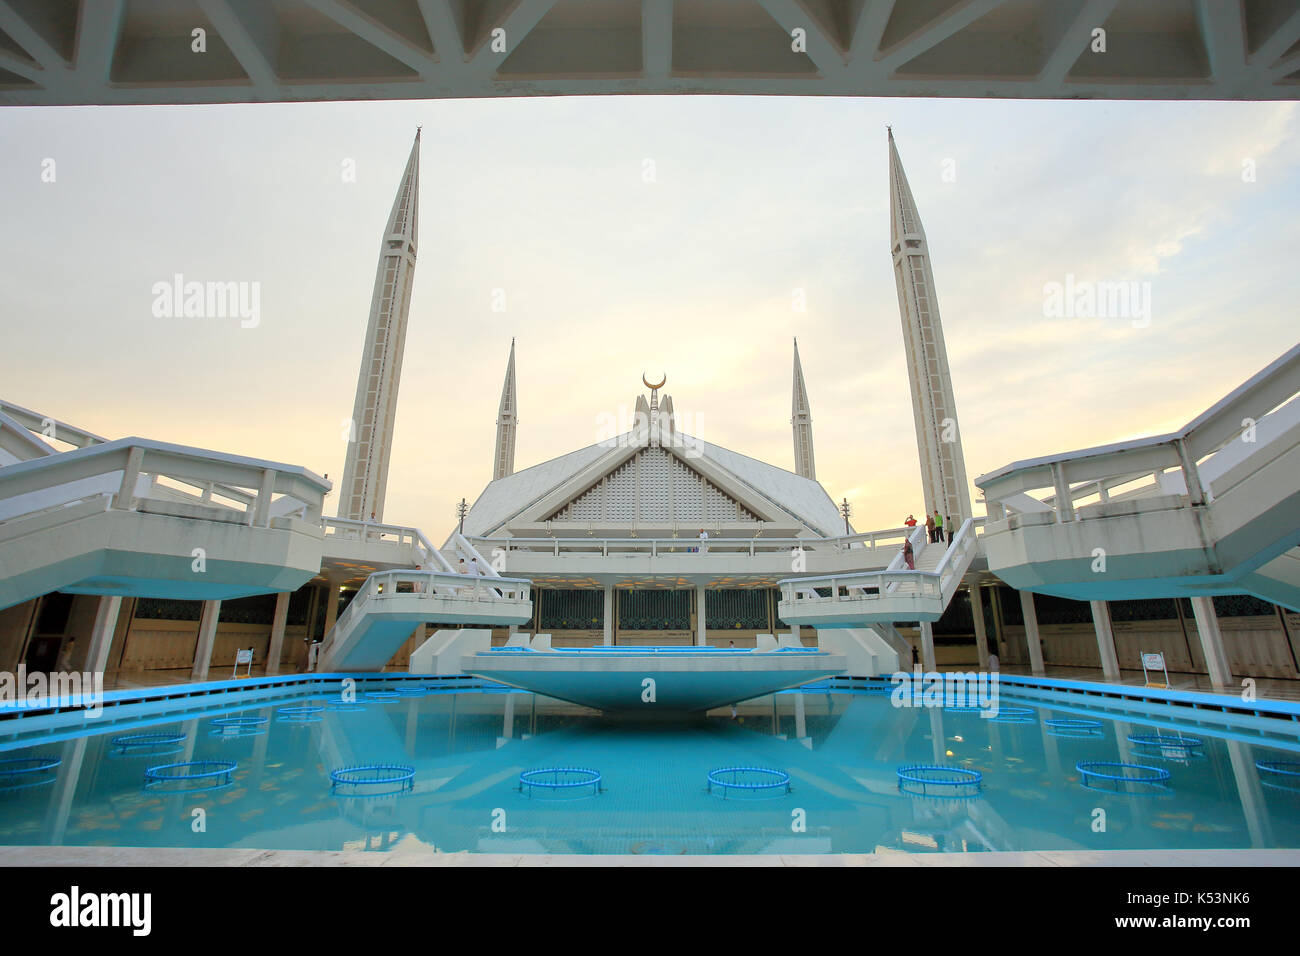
x=464 y=588
x=1164 y=466
x=938 y=585
x=137 y=474
x=402 y=536
x=889 y=539
x=465 y=547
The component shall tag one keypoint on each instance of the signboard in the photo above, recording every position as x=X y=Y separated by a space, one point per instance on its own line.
x=1154 y=662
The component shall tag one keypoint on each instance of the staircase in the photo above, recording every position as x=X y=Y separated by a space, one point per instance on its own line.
x=391 y=603
x=116 y=518
x=1213 y=508
x=881 y=597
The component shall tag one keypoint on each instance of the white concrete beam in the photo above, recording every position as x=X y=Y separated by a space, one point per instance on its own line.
x=1105 y=640
x=377 y=35
x=276 y=648
x=656 y=38
x=1072 y=39
x=447 y=45
x=1032 y=637
x=253 y=35
x=207 y=638
x=934 y=33
x=821 y=50
x=517 y=25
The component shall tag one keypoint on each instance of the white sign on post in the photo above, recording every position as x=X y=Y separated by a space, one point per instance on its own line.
x=243 y=656
x=1152 y=662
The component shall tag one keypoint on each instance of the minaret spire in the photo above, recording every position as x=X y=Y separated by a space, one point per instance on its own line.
x=938 y=440
x=507 y=418
x=801 y=419
x=370 y=437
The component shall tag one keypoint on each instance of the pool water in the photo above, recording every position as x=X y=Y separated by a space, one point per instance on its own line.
x=469 y=748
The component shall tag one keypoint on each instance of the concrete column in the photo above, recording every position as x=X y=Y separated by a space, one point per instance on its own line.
x=276 y=648
x=800 y=718
x=207 y=637
x=1105 y=640
x=1207 y=626
x=101 y=636
x=977 y=615
x=608 y=619
x=700 y=639
x=1031 y=632
x=927 y=647
x=331 y=606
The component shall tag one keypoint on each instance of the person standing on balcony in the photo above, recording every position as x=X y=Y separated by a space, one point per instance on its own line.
x=910 y=522
x=704 y=541
x=938 y=527
x=929 y=527
x=908 y=556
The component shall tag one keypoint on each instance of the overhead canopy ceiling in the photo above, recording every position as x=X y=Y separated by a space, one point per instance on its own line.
x=143 y=51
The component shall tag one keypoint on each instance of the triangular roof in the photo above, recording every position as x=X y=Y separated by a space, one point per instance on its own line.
x=764 y=492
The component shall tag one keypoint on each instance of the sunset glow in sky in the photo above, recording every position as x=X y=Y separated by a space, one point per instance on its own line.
x=607 y=275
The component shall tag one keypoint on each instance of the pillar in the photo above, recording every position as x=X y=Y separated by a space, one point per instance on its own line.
x=1207 y=626
x=1105 y=640
x=101 y=636
x=800 y=718
x=608 y=618
x=977 y=615
x=276 y=648
x=927 y=647
x=331 y=607
x=700 y=639
x=1031 y=632
x=207 y=637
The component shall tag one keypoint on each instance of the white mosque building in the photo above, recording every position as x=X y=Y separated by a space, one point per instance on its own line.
x=653 y=536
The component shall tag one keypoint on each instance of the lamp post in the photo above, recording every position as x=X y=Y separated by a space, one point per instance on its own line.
x=845 y=509
x=461 y=510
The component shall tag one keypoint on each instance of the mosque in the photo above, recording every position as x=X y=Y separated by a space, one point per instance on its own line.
x=653 y=536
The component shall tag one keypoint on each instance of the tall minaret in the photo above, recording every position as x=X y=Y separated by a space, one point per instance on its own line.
x=938 y=440
x=801 y=419
x=365 y=473
x=507 y=418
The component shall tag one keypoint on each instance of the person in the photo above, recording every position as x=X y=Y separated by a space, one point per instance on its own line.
x=938 y=527
x=419 y=585
x=731 y=643
x=929 y=527
x=312 y=653
x=947 y=523
x=910 y=522
x=704 y=541
x=909 y=557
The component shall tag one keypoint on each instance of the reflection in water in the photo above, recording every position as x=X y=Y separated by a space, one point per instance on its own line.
x=841 y=751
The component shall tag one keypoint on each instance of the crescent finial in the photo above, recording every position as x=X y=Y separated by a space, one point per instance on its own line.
x=653 y=387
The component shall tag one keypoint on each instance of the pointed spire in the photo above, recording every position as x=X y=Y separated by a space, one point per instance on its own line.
x=370 y=438
x=938 y=439
x=507 y=418
x=904 y=220
x=801 y=419
x=404 y=220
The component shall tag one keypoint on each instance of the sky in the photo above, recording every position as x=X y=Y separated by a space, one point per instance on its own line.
x=664 y=235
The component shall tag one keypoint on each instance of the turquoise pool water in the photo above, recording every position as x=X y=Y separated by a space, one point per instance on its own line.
x=468 y=754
